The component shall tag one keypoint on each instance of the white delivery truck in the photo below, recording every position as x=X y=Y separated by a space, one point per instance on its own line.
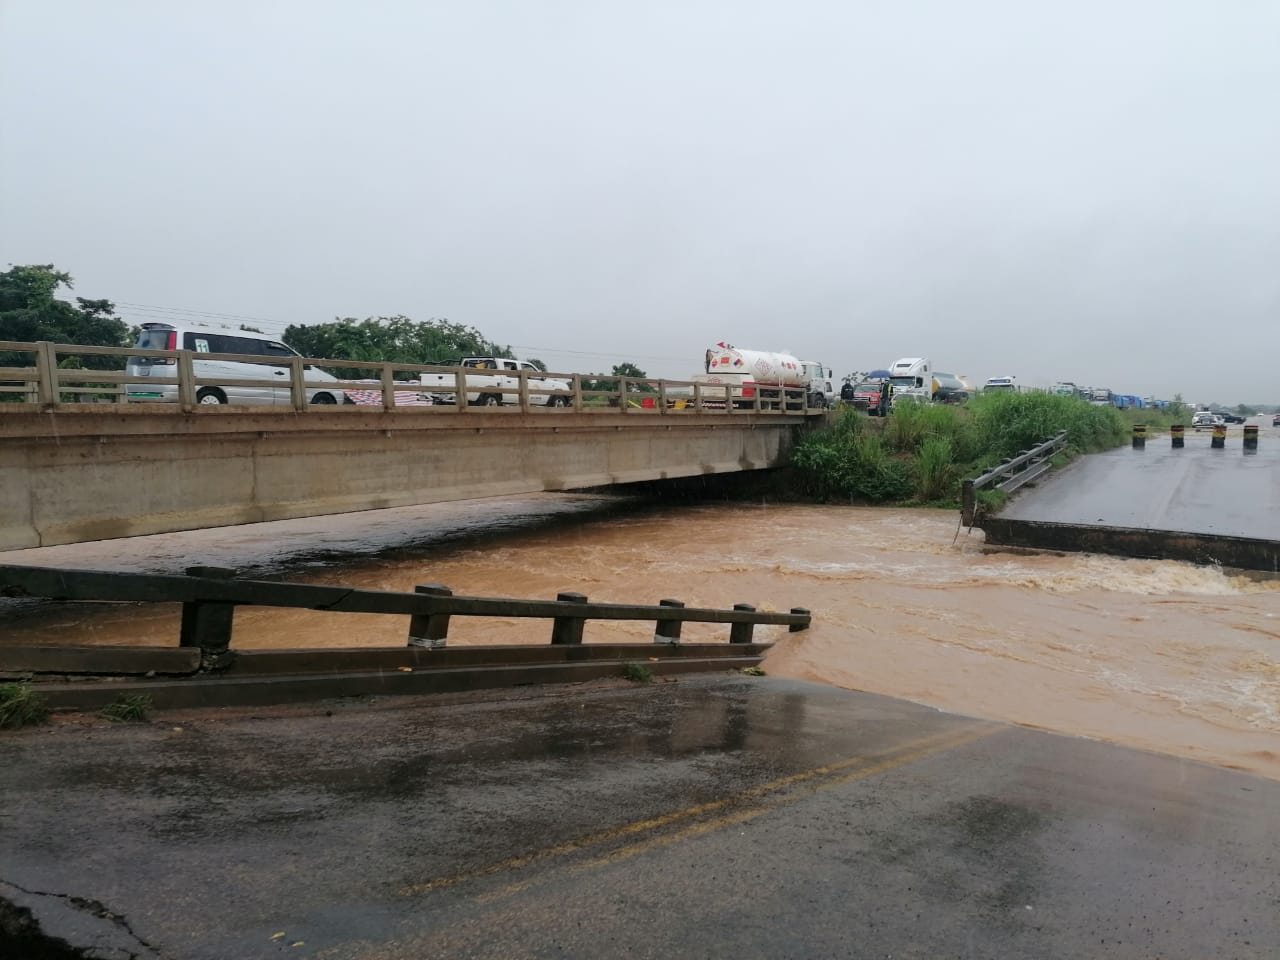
x=911 y=377
x=742 y=375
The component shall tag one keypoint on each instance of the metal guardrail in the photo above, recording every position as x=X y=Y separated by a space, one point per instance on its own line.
x=45 y=384
x=1010 y=474
x=209 y=596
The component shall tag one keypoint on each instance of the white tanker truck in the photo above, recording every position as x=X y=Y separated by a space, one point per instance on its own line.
x=742 y=374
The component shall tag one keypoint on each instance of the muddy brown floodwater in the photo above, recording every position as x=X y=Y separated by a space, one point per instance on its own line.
x=1159 y=655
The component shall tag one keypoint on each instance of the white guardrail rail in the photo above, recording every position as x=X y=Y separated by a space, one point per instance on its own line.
x=56 y=379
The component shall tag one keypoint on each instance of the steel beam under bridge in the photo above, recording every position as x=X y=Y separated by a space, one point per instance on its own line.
x=75 y=476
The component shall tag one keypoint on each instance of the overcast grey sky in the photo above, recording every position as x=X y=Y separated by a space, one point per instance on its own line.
x=1079 y=190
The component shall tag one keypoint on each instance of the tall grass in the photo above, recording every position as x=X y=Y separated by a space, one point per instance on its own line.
x=921 y=451
x=935 y=469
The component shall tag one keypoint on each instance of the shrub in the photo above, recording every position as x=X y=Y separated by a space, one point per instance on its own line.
x=128 y=709
x=20 y=705
x=636 y=673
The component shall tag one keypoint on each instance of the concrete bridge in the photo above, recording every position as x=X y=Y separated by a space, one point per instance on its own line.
x=98 y=471
x=1200 y=503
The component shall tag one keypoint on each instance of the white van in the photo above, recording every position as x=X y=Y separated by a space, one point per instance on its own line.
x=272 y=390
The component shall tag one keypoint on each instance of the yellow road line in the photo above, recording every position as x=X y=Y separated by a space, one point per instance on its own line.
x=870 y=768
x=916 y=750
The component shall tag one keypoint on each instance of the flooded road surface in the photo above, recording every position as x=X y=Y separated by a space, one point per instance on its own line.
x=1158 y=655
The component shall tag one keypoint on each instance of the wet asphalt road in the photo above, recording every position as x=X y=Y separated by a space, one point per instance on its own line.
x=1227 y=492
x=710 y=817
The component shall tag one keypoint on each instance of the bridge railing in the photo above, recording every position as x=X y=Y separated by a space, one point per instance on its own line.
x=50 y=384
x=1010 y=474
x=210 y=595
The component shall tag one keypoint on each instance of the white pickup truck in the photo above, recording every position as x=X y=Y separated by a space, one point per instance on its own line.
x=491 y=374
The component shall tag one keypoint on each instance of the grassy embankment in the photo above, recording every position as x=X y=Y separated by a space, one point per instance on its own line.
x=921 y=452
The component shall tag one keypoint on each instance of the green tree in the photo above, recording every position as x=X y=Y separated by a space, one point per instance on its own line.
x=30 y=311
x=397 y=339
x=629 y=370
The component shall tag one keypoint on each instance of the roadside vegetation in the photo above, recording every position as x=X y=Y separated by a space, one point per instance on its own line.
x=921 y=452
x=21 y=705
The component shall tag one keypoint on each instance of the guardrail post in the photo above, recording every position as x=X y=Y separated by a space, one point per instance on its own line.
x=1177 y=436
x=206 y=624
x=430 y=630
x=47 y=393
x=1251 y=436
x=668 y=631
x=568 y=630
x=1219 y=440
x=298 y=384
x=797 y=627
x=742 y=632
x=186 y=381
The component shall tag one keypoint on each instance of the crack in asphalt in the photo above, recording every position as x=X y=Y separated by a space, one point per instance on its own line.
x=25 y=924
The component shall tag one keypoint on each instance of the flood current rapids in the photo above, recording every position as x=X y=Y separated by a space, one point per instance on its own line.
x=1163 y=656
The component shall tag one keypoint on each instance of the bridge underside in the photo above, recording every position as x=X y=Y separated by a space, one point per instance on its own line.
x=75 y=476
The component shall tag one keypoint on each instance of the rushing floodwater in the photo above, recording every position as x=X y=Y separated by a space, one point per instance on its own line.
x=1160 y=655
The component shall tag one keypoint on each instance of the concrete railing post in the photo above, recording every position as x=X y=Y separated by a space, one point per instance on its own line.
x=47 y=393
x=1177 y=435
x=668 y=631
x=206 y=624
x=577 y=393
x=523 y=376
x=460 y=390
x=1251 y=436
x=186 y=380
x=298 y=384
x=430 y=630
x=1139 y=435
x=797 y=627
x=1219 y=440
x=388 y=378
x=742 y=632
x=568 y=630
